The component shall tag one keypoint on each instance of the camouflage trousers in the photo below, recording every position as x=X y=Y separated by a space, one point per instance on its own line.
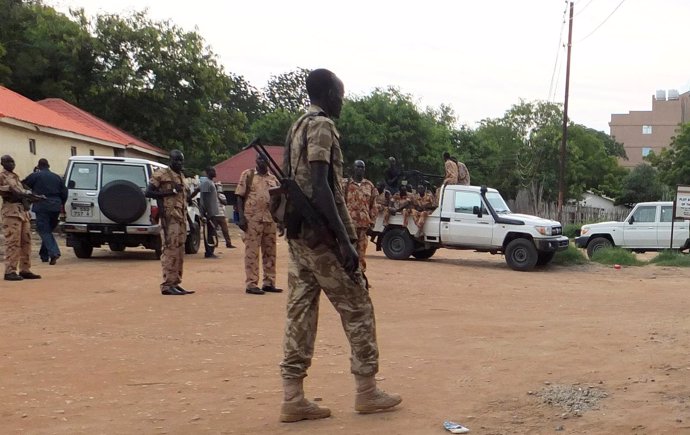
x=419 y=218
x=362 y=243
x=173 y=238
x=260 y=236
x=17 y=233
x=310 y=271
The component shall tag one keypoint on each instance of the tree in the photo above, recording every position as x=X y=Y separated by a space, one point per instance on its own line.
x=288 y=91
x=44 y=53
x=272 y=128
x=165 y=85
x=673 y=162
x=641 y=184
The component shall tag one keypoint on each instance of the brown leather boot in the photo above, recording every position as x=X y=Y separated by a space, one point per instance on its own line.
x=370 y=399
x=295 y=407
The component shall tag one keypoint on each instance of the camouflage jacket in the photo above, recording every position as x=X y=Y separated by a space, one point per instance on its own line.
x=176 y=205
x=10 y=185
x=361 y=201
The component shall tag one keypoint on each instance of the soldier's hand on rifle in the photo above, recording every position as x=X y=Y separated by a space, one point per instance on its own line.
x=349 y=257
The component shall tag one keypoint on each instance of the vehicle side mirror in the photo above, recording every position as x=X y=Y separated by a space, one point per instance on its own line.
x=632 y=220
x=71 y=184
x=477 y=210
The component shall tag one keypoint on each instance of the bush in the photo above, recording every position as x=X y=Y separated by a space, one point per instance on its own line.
x=671 y=258
x=616 y=256
x=571 y=230
x=569 y=257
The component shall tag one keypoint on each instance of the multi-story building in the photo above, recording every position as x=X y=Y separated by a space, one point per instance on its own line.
x=641 y=132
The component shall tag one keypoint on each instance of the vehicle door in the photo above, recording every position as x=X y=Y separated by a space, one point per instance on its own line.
x=461 y=225
x=82 y=200
x=680 y=229
x=641 y=230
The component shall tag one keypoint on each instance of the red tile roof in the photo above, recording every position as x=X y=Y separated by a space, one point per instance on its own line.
x=229 y=171
x=60 y=115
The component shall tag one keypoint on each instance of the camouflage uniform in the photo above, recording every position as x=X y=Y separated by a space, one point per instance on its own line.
x=451 y=176
x=423 y=207
x=261 y=230
x=313 y=269
x=361 y=205
x=463 y=174
x=174 y=225
x=16 y=225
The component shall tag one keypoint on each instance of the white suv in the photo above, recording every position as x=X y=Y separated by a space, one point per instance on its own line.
x=106 y=205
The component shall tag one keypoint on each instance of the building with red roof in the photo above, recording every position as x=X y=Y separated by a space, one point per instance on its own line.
x=228 y=171
x=55 y=130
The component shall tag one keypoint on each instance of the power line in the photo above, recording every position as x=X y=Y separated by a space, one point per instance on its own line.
x=552 y=90
x=602 y=23
x=583 y=8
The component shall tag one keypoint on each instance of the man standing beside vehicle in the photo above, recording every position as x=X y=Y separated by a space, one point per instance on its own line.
x=221 y=218
x=253 y=206
x=49 y=184
x=360 y=198
x=314 y=161
x=167 y=187
x=16 y=224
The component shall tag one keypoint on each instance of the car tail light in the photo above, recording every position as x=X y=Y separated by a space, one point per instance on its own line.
x=154 y=213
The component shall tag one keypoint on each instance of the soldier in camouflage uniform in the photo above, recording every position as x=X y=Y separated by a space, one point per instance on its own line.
x=451 y=169
x=463 y=174
x=253 y=206
x=315 y=162
x=360 y=198
x=425 y=203
x=167 y=185
x=16 y=224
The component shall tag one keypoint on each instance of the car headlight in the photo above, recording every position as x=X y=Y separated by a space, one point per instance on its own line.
x=544 y=231
x=583 y=231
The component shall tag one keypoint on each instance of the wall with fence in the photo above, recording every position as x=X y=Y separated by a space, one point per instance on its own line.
x=572 y=213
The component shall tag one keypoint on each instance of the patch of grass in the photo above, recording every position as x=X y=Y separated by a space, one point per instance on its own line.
x=671 y=258
x=616 y=256
x=569 y=257
x=571 y=230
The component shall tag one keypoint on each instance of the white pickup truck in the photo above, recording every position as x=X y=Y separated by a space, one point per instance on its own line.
x=475 y=218
x=647 y=228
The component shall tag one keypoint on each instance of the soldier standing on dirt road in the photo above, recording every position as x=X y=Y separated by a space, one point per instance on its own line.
x=16 y=224
x=167 y=186
x=315 y=156
x=360 y=198
x=253 y=206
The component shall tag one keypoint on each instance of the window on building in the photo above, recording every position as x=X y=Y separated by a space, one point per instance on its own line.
x=118 y=152
x=73 y=151
x=91 y=153
x=32 y=146
x=646 y=151
x=646 y=129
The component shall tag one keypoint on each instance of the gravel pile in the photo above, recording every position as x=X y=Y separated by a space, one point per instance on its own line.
x=574 y=399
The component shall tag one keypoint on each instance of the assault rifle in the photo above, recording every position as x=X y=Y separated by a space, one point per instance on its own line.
x=295 y=207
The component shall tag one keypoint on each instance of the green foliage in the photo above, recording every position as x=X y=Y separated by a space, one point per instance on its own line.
x=673 y=162
x=272 y=128
x=641 y=184
x=615 y=255
x=571 y=230
x=288 y=91
x=671 y=258
x=569 y=257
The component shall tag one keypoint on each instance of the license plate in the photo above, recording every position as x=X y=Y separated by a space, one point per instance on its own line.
x=82 y=211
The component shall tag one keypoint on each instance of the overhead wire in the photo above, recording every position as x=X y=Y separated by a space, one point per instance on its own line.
x=582 y=9
x=602 y=23
x=552 y=88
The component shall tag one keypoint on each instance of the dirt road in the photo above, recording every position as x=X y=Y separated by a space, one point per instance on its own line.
x=93 y=348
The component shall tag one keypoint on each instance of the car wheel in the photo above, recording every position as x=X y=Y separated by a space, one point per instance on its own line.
x=424 y=254
x=122 y=201
x=193 y=242
x=544 y=258
x=117 y=246
x=82 y=249
x=397 y=244
x=521 y=254
x=597 y=244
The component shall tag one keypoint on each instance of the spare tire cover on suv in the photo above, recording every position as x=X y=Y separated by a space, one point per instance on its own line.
x=122 y=201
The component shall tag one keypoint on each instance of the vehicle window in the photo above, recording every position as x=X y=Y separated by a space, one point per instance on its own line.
x=135 y=174
x=497 y=202
x=666 y=213
x=84 y=176
x=466 y=201
x=645 y=214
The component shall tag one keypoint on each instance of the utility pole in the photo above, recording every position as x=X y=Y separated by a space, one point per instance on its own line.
x=561 y=169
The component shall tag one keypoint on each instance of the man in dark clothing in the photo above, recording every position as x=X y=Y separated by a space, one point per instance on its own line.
x=209 y=208
x=393 y=176
x=45 y=182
